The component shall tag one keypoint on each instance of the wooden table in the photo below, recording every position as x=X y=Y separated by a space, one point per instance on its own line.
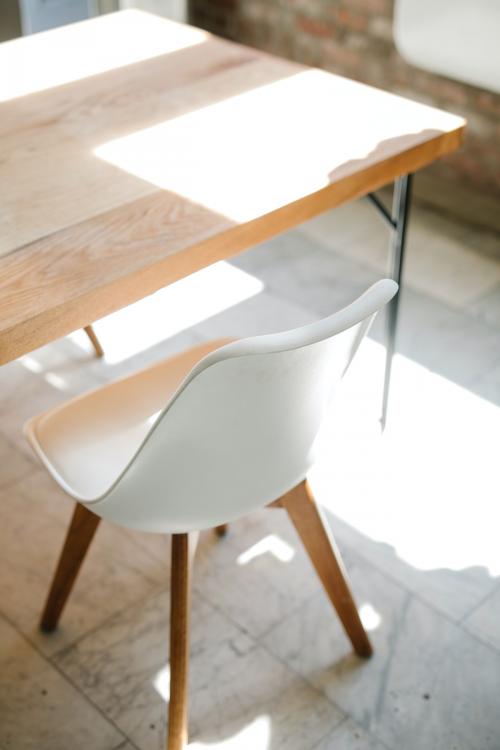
x=134 y=151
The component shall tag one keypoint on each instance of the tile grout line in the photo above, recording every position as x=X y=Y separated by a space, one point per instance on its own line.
x=423 y=601
x=464 y=309
x=287 y=666
x=479 y=604
x=67 y=679
x=105 y=622
x=30 y=460
x=292 y=612
x=360 y=556
x=382 y=743
x=18 y=480
x=393 y=641
x=327 y=734
x=409 y=596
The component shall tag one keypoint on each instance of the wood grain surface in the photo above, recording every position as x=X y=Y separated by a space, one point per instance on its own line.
x=135 y=151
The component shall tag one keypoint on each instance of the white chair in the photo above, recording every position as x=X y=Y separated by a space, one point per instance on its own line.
x=197 y=441
x=454 y=38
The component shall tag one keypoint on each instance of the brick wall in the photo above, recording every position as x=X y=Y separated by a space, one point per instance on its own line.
x=354 y=38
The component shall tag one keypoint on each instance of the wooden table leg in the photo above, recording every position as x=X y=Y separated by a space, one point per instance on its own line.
x=89 y=330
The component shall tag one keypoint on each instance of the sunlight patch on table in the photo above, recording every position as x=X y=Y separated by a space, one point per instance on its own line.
x=239 y=157
x=41 y=61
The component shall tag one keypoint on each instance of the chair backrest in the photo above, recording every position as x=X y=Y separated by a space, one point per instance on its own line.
x=239 y=432
x=455 y=38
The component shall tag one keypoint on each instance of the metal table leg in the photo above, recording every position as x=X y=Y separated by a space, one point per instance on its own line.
x=398 y=222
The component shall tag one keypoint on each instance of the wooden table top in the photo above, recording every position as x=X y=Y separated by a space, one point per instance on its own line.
x=134 y=151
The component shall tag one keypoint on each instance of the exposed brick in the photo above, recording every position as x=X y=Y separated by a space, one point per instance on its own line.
x=306 y=50
x=339 y=57
x=314 y=27
x=481 y=126
x=382 y=28
x=258 y=12
x=487 y=102
x=348 y=20
x=383 y=7
x=441 y=89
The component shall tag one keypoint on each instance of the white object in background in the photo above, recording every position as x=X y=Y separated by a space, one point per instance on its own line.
x=455 y=38
x=209 y=435
x=176 y=10
x=40 y=15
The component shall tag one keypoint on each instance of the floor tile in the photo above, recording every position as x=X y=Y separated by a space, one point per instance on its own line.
x=265 y=313
x=256 y=575
x=40 y=709
x=440 y=263
x=431 y=331
x=470 y=349
x=314 y=644
x=235 y=685
x=484 y=621
x=445 y=268
x=55 y=369
x=452 y=592
x=481 y=240
x=39 y=388
x=355 y=231
x=451 y=343
x=414 y=511
x=260 y=573
x=116 y=572
x=109 y=371
x=415 y=691
x=15 y=378
x=487 y=384
x=402 y=498
x=15 y=464
x=487 y=306
x=349 y=736
x=307 y=273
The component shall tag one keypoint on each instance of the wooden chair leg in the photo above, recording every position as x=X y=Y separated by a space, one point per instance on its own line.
x=89 y=330
x=222 y=529
x=179 y=641
x=320 y=545
x=80 y=534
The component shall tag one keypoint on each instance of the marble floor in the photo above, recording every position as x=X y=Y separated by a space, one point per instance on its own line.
x=415 y=511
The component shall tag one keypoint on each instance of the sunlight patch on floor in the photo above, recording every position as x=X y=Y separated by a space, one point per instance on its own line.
x=270 y=544
x=370 y=618
x=257 y=734
x=161 y=683
x=31 y=363
x=428 y=486
x=172 y=310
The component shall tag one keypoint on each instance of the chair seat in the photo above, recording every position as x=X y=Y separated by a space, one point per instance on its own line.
x=88 y=442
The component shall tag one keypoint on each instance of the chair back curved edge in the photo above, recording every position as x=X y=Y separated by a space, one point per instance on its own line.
x=239 y=432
